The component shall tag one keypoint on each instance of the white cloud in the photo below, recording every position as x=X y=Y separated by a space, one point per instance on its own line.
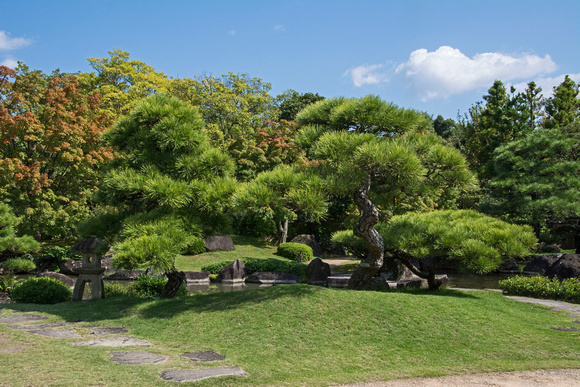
x=279 y=27
x=547 y=83
x=367 y=75
x=447 y=71
x=8 y=43
x=9 y=62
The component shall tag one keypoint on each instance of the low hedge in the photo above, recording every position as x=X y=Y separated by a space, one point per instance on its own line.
x=292 y=250
x=43 y=290
x=257 y=265
x=543 y=287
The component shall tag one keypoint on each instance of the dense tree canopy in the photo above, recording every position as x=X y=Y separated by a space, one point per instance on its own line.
x=381 y=160
x=169 y=185
x=51 y=148
x=472 y=241
x=122 y=82
x=536 y=180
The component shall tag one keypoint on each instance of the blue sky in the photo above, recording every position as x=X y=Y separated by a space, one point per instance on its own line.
x=434 y=56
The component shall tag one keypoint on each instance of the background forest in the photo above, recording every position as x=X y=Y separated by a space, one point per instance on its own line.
x=153 y=164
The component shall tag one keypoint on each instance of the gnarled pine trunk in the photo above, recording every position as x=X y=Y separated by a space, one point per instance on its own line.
x=174 y=280
x=365 y=230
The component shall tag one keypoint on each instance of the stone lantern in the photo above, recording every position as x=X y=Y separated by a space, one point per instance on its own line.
x=92 y=251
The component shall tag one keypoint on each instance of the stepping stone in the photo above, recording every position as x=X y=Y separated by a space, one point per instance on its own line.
x=38 y=326
x=576 y=321
x=69 y=333
x=137 y=357
x=566 y=329
x=108 y=331
x=119 y=341
x=195 y=375
x=204 y=356
x=20 y=318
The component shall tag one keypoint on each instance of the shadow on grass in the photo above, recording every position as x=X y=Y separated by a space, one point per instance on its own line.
x=445 y=292
x=252 y=241
x=124 y=306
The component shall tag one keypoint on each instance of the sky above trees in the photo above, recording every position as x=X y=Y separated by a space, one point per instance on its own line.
x=434 y=56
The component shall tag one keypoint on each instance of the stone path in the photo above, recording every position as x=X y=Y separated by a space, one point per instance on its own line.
x=29 y=323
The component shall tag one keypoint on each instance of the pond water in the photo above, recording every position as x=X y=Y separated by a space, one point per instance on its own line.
x=476 y=281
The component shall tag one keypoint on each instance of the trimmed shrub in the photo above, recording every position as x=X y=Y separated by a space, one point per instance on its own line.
x=543 y=287
x=257 y=265
x=19 y=265
x=113 y=289
x=196 y=246
x=291 y=251
x=152 y=286
x=41 y=290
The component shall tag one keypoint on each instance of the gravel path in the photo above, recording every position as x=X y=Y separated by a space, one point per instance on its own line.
x=539 y=378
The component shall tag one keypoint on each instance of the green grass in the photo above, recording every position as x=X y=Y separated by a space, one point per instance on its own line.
x=246 y=247
x=300 y=335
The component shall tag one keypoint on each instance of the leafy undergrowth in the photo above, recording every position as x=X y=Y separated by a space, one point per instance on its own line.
x=300 y=335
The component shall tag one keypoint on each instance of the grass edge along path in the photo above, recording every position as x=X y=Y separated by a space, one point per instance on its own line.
x=302 y=335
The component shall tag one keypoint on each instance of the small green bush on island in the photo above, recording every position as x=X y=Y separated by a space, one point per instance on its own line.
x=41 y=290
x=543 y=287
x=291 y=251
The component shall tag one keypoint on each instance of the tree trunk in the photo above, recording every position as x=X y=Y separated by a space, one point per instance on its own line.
x=174 y=280
x=282 y=231
x=365 y=230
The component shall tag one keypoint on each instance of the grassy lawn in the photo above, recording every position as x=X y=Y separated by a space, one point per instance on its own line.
x=299 y=335
x=246 y=247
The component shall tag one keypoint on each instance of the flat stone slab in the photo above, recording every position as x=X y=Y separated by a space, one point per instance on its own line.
x=195 y=375
x=39 y=326
x=204 y=356
x=137 y=357
x=118 y=341
x=338 y=281
x=108 y=331
x=560 y=305
x=67 y=333
x=20 y=318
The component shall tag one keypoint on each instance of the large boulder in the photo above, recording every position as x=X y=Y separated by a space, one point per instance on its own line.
x=69 y=266
x=318 y=272
x=59 y=276
x=236 y=272
x=309 y=240
x=196 y=277
x=568 y=266
x=219 y=242
x=273 y=277
x=541 y=263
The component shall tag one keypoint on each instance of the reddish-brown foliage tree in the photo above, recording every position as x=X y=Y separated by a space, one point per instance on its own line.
x=51 y=149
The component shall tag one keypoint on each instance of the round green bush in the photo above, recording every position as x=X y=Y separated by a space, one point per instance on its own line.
x=19 y=265
x=291 y=251
x=41 y=290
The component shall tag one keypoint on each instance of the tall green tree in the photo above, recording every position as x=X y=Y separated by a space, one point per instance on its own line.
x=564 y=107
x=170 y=186
x=51 y=150
x=383 y=157
x=122 y=82
x=536 y=181
x=280 y=195
x=290 y=102
x=502 y=118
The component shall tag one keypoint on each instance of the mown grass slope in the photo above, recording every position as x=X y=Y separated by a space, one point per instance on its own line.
x=301 y=335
